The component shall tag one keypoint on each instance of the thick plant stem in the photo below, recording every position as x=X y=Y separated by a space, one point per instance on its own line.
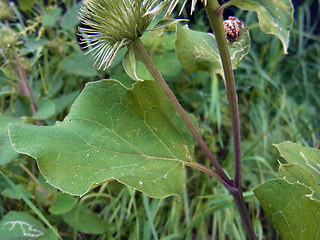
x=214 y=14
x=144 y=56
x=216 y=22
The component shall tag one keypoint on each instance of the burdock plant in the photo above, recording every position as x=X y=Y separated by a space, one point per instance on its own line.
x=141 y=136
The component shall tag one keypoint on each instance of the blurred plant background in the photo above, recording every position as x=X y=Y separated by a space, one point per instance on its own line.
x=43 y=70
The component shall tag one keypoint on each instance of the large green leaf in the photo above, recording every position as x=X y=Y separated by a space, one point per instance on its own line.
x=293 y=211
x=275 y=17
x=197 y=51
x=133 y=136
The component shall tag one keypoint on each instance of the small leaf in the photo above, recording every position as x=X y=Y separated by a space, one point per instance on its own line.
x=65 y=100
x=197 y=51
x=133 y=136
x=19 y=226
x=64 y=204
x=275 y=17
x=84 y=220
x=240 y=48
x=295 y=214
x=46 y=109
x=79 y=65
x=129 y=64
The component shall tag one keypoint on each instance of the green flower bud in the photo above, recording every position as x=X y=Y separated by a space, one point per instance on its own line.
x=113 y=24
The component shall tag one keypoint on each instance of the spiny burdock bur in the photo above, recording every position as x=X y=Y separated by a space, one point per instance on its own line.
x=109 y=25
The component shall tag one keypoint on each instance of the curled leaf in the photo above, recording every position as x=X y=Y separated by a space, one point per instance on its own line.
x=130 y=65
x=275 y=17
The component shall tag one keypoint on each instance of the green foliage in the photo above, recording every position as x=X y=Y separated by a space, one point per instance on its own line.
x=46 y=109
x=197 y=51
x=79 y=65
x=162 y=50
x=292 y=201
x=64 y=203
x=112 y=133
x=278 y=99
x=129 y=64
x=90 y=224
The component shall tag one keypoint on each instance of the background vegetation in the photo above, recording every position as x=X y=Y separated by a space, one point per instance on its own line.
x=278 y=100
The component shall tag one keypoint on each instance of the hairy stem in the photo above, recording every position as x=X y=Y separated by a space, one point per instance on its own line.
x=214 y=13
x=144 y=56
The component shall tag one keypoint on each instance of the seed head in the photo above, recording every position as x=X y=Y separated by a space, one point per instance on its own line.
x=113 y=24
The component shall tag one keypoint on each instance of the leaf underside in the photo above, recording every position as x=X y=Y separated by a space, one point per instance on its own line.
x=133 y=136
